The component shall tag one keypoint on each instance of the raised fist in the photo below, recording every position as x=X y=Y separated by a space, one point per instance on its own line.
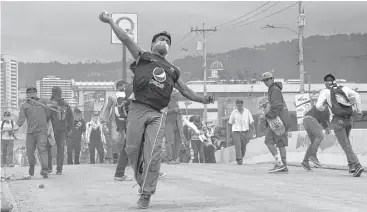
x=105 y=17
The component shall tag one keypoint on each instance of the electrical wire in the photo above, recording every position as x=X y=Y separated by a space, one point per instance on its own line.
x=242 y=15
x=266 y=9
x=266 y=16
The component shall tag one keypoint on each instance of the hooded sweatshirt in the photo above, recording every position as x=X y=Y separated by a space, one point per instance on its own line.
x=278 y=105
x=63 y=120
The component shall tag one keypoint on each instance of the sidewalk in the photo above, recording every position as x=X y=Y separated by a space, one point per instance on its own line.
x=191 y=187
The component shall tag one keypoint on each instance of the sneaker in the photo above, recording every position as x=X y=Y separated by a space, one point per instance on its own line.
x=59 y=172
x=123 y=178
x=277 y=168
x=50 y=171
x=162 y=175
x=358 y=171
x=284 y=170
x=314 y=160
x=10 y=165
x=352 y=170
x=306 y=166
x=172 y=162
x=31 y=170
x=44 y=174
x=143 y=201
x=239 y=161
x=177 y=161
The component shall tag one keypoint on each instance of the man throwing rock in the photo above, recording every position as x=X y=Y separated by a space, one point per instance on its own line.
x=154 y=80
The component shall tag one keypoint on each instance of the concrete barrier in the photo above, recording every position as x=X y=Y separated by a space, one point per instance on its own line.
x=329 y=154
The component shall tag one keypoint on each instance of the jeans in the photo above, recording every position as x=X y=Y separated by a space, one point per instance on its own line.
x=37 y=140
x=314 y=132
x=241 y=139
x=198 y=148
x=76 y=148
x=342 y=128
x=60 y=138
x=7 y=148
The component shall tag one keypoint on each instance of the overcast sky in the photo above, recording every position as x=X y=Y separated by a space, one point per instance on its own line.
x=71 y=31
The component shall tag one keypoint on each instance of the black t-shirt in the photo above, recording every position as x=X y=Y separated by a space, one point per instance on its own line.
x=77 y=131
x=154 y=80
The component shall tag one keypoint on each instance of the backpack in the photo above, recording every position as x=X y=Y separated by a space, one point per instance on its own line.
x=340 y=106
x=120 y=110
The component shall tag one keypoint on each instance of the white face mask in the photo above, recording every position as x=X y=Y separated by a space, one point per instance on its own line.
x=161 y=47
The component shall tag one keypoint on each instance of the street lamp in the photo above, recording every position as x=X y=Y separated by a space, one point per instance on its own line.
x=300 y=46
x=278 y=27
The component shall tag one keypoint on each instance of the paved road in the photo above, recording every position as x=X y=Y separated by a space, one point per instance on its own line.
x=194 y=187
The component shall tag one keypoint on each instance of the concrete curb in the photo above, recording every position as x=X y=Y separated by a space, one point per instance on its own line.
x=8 y=196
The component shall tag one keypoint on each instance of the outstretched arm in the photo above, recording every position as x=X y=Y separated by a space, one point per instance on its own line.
x=187 y=92
x=121 y=35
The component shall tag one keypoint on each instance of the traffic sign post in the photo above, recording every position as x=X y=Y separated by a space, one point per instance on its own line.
x=129 y=23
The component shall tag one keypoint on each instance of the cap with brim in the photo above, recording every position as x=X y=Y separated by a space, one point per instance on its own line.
x=266 y=75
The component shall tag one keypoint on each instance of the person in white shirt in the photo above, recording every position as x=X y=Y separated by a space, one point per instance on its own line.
x=243 y=129
x=340 y=102
x=7 y=140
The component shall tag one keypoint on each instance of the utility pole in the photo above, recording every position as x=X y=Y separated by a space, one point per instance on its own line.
x=301 y=25
x=124 y=63
x=204 y=32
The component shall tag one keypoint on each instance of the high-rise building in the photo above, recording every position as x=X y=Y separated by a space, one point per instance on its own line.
x=9 y=82
x=45 y=85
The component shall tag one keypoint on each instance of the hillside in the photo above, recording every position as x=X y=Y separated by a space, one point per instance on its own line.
x=343 y=55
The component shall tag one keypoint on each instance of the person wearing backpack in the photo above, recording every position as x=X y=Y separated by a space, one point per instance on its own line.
x=340 y=101
x=114 y=115
x=7 y=140
x=62 y=124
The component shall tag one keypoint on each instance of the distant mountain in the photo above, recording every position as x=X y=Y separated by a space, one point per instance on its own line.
x=343 y=55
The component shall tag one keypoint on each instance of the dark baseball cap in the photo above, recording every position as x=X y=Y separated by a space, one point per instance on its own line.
x=31 y=90
x=328 y=77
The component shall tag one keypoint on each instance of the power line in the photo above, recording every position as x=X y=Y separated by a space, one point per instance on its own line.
x=266 y=16
x=187 y=42
x=256 y=14
x=242 y=15
x=183 y=38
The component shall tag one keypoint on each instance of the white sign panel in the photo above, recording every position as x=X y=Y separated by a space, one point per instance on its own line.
x=303 y=105
x=129 y=23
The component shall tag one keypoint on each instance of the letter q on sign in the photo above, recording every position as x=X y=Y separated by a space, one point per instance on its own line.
x=121 y=23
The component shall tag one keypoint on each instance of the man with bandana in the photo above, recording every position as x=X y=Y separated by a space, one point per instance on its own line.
x=154 y=80
x=341 y=110
x=37 y=113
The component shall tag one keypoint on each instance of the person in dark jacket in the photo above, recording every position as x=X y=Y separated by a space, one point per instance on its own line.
x=62 y=123
x=37 y=113
x=313 y=123
x=278 y=107
x=74 y=140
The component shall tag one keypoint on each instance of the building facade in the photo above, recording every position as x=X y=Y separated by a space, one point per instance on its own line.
x=9 y=82
x=45 y=85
